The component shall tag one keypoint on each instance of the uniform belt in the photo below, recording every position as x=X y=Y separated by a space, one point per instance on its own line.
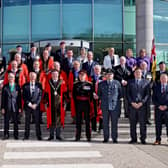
x=82 y=98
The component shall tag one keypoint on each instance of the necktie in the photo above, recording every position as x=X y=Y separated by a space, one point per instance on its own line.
x=112 y=62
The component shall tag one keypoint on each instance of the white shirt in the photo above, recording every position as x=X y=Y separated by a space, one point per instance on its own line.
x=107 y=61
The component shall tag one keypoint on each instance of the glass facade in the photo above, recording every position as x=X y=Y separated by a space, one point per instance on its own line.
x=104 y=23
x=160 y=29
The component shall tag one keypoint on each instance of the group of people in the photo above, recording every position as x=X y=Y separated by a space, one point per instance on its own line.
x=94 y=93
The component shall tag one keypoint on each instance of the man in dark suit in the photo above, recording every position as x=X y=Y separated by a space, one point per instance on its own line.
x=123 y=73
x=160 y=100
x=60 y=53
x=11 y=105
x=162 y=69
x=48 y=47
x=148 y=76
x=31 y=57
x=109 y=93
x=138 y=93
x=89 y=65
x=68 y=62
x=32 y=92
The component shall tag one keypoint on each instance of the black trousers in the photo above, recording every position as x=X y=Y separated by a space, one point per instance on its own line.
x=57 y=131
x=135 y=116
x=93 y=119
x=82 y=107
x=14 y=116
x=36 y=114
x=159 y=116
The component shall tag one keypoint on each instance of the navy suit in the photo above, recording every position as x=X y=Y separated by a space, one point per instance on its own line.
x=34 y=98
x=160 y=98
x=89 y=68
x=67 y=66
x=59 y=56
x=109 y=95
x=11 y=102
x=138 y=93
x=123 y=74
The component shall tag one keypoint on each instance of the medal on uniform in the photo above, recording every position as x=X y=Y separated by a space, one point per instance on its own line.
x=55 y=93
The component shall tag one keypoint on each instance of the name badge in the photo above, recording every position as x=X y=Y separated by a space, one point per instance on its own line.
x=86 y=88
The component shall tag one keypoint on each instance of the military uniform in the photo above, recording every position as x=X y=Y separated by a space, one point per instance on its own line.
x=82 y=94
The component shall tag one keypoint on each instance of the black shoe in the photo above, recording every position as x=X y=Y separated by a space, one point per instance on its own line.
x=50 y=138
x=6 y=137
x=132 y=141
x=16 y=137
x=105 y=141
x=59 y=138
x=88 y=139
x=115 y=141
x=25 y=138
x=39 y=138
x=143 y=142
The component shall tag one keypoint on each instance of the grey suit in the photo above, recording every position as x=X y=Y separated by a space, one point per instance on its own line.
x=110 y=95
x=138 y=93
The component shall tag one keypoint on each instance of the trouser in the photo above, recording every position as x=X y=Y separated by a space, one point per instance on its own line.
x=125 y=101
x=113 y=115
x=82 y=106
x=159 y=115
x=93 y=120
x=57 y=131
x=36 y=114
x=148 y=111
x=137 y=115
x=14 y=117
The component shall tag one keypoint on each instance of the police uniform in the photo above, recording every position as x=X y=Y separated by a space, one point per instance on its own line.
x=82 y=94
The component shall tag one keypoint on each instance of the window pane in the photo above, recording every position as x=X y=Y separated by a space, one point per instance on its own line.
x=129 y=24
x=161 y=21
x=77 y=19
x=16 y=17
x=45 y=19
x=108 y=19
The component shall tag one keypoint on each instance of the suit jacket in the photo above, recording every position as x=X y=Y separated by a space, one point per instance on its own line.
x=158 y=97
x=89 y=69
x=157 y=79
x=116 y=94
x=123 y=75
x=11 y=101
x=59 y=57
x=34 y=98
x=107 y=61
x=67 y=66
x=138 y=93
x=30 y=60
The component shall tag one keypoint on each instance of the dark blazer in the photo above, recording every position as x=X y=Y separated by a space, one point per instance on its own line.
x=157 y=79
x=140 y=93
x=89 y=69
x=103 y=94
x=35 y=98
x=59 y=57
x=29 y=62
x=11 y=101
x=123 y=75
x=66 y=67
x=158 y=97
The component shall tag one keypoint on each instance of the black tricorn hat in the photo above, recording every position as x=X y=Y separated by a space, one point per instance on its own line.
x=109 y=71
